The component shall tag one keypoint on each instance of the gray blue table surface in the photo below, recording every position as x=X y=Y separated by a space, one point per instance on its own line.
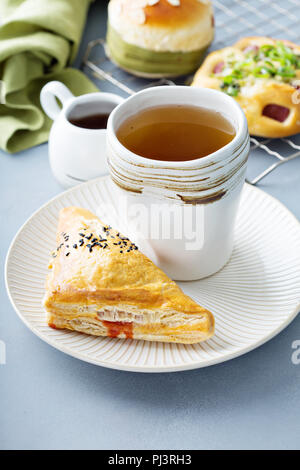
x=49 y=400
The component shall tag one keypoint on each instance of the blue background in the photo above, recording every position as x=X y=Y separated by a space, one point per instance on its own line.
x=49 y=400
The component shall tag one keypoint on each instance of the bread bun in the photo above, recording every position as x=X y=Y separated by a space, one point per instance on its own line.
x=270 y=94
x=159 y=26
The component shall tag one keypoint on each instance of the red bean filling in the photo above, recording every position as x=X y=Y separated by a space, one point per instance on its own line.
x=277 y=112
x=218 y=67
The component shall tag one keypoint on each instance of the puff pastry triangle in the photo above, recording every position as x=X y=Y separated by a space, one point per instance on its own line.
x=101 y=284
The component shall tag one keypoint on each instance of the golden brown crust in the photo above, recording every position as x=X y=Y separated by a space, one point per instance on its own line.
x=162 y=13
x=162 y=27
x=261 y=40
x=166 y=15
x=262 y=93
x=114 y=281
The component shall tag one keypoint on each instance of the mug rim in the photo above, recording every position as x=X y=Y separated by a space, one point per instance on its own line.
x=87 y=97
x=232 y=146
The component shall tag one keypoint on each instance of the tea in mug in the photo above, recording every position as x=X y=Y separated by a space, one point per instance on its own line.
x=175 y=132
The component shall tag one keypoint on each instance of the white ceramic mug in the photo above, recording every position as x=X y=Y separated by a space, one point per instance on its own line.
x=183 y=213
x=76 y=154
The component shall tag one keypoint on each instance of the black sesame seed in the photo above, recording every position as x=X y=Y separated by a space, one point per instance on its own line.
x=75 y=246
x=81 y=234
x=94 y=240
x=88 y=237
x=121 y=251
x=67 y=254
x=81 y=242
x=88 y=245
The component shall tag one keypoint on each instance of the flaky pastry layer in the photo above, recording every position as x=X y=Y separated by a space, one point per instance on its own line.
x=100 y=283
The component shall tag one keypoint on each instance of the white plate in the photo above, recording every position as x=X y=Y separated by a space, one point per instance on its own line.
x=253 y=298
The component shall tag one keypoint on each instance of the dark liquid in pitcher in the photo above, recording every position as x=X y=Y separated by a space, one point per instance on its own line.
x=175 y=133
x=93 y=121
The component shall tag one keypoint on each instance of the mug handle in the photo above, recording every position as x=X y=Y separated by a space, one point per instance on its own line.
x=49 y=93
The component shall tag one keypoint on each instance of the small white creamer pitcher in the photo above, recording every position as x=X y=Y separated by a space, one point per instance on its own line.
x=76 y=153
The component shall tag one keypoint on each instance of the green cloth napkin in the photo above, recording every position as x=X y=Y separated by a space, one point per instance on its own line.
x=38 y=39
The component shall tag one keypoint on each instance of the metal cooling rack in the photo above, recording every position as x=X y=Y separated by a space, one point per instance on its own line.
x=234 y=19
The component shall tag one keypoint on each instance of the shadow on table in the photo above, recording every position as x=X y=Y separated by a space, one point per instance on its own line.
x=249 y=378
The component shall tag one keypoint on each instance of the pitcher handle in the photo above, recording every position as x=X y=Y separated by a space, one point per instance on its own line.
x=49 y=93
